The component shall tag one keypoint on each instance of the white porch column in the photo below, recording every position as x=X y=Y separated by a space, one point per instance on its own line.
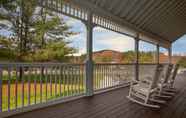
x=157 y=54
x=137 y=58
x=170 y=54
x=89 y=61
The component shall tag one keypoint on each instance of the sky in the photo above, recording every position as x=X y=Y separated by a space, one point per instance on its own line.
x=106 y=39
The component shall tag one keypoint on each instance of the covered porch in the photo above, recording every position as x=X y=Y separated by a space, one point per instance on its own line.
x=98 y=89
x=114 y=104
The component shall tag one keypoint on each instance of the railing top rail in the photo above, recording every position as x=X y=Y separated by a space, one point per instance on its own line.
x=39 y=64
x=46 y=64
x=114 y=63
x=129 y=63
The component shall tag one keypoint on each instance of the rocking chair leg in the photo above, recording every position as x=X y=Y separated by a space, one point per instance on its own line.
x=158 y=101
x=143 y=103
x=168 y=93
x=163 y=96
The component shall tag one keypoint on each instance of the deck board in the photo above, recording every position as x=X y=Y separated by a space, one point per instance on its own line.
x=114 y=104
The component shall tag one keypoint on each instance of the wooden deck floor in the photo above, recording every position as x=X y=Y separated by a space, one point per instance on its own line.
x=114 y=104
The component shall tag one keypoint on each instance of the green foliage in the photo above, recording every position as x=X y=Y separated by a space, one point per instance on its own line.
x=128 y=57
x=182 y=62
x=7 y=51
x=54 y=51
x=144 y=57
x=103 y=59
x=38 y=33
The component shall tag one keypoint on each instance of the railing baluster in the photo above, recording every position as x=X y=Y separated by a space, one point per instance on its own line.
x=107 y=69
x=16 y=85
x=71 y=80
x=22 y=81
x=35 y=84
x=29 y=78
x=82 y=78
x=1 y=92
x=74 y=79
x=60 y=80
x=106 y=75
x=51 y=69
x=41 y=82
x=97 y=75
x=9 y=79
x=79 y=79
x=66 y=81
x=109 y=72
x=55 y=77
x=46 y=84
x=104 y=69
x=63 y=81
x=110 y=75
x=95 y=78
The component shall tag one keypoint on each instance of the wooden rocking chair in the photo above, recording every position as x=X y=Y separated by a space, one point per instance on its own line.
x=143 y=93
x=170 y=85
x=163 y=84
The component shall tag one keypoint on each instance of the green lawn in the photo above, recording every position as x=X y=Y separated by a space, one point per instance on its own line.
x=52 y=85
x=53 y=91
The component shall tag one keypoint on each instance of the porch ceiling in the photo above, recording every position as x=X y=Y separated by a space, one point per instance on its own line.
x=165 y=20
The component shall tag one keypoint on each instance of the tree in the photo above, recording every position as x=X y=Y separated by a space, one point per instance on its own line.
x=144 y=57
x=36 y=30
x=39 y=33
x=19 y=15
x=182 y=62
x=7 y=49
x=128 y=57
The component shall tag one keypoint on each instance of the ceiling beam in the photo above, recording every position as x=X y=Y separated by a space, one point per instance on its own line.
x=163 y=20
x=142 y=12
x=165 y=11
x=151 y=12
x=102 y=12
x=129 y=7
x=137 y=8
x=113 y=5
x=121 y=7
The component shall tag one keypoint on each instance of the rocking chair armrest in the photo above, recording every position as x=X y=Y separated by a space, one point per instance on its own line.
x=148 y=81
x=134 y=82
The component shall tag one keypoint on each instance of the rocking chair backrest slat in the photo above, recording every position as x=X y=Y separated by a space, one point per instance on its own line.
x=175 y=70
x=156 y=77
x=164 y=72
x=168 y=73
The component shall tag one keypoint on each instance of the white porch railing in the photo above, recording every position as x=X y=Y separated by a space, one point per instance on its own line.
x=27 y=84
x=110 y=75
x=24 y=84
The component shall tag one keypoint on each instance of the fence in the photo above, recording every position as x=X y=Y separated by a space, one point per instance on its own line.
x=26 y=84
x=109 y=75
x=23 y=85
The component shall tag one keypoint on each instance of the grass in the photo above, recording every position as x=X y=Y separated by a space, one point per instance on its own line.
x=53 y=86
x=53 y=91
x=30 y=91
